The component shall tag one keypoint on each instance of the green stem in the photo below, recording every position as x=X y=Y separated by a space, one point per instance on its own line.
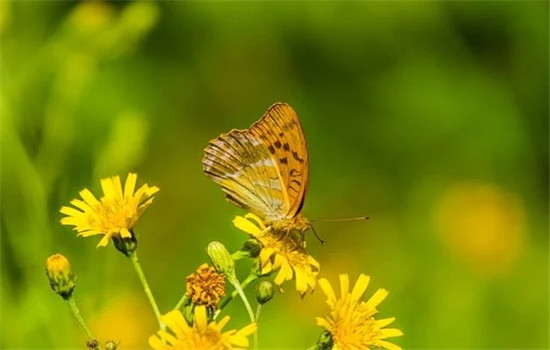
x=239 y=290
x=78 y=316
x=183 y=301
x=258 y=311
x=313 y=347
x=244 y=284
x=134 y=259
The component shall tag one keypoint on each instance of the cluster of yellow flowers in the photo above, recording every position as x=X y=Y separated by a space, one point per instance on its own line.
x=193 y=323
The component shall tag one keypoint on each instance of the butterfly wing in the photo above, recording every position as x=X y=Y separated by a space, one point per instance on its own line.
x=280 y=130
x=263 y=169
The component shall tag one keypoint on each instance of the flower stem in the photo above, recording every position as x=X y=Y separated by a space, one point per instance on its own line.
x=239 y=290
x=183 y=301
x=244 y=284
x=313 y=347
x=76 y=312
x=258 y=311
x=134 y=259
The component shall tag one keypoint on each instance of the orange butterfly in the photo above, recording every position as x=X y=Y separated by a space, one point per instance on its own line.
x=264 y=169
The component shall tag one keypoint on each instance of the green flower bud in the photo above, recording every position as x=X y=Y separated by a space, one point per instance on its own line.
x=264 y=291
x=253 y=247
x=222 y=260
x=125 y=245
x=62 y=280
x=325 y=341
x=111 y=345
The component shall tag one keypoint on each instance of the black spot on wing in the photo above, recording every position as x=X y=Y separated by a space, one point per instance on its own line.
x=297 y=157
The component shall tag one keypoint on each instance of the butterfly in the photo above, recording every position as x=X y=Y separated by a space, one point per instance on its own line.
x=265 y=168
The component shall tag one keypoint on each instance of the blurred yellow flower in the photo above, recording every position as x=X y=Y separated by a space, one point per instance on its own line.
x=115 y=214
x=202 y=335
x=206 y=286
x=483 y=225
x=122 y=318
x=351 y=322
x=282 y=252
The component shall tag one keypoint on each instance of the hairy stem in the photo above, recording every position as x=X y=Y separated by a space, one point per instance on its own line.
x=76 y=312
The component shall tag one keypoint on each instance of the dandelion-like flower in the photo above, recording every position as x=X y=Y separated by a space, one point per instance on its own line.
x=280 y=251
x=351 y=322
x=114 y=214
x=202 y=335
x=206 y=286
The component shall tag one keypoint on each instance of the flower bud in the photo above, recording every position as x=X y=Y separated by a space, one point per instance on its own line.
x=111 y=345
x=264 y=292
x=126 y=246
x=325 y=341
x=252 y=246
x=92 y=344
x=222 y=260
x=62 y=280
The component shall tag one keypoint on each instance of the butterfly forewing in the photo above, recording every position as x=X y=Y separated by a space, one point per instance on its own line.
x=281 y=131
x=263 y=169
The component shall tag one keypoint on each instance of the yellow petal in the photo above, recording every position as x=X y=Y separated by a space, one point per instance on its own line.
x=323 y=323
x=246 y=226
x=377 y=298
x=360 y=287
x=124 y=233
x=327 y=289
x=108 y=187
x=104 y=241
x=384 y=322
x=167 y=337
x=201 y=319
x=156 y=343
x=117 y=187
x=247 y=330
x=222 y=323
x=344 y=286
x=388 y=345
x=70 y=211
x=89 y=197
x=130 y=185
x=390 y=332
x=175 y=321
x=257 y=219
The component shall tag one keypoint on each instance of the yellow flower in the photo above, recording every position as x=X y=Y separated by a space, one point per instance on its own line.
x=115 y=214
x=282 y=252
x=202 y=335
x=351 y=322
x=206 y=286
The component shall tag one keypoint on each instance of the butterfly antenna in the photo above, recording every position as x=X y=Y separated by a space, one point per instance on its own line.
x=316 y=235
x=359 y=218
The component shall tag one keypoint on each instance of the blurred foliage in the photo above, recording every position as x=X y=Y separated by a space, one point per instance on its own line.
x=430 y=117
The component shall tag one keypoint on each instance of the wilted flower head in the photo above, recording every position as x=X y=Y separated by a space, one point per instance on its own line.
x=206 y=286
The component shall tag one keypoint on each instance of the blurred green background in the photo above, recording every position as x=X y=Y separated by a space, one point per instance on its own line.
x=430 y=117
